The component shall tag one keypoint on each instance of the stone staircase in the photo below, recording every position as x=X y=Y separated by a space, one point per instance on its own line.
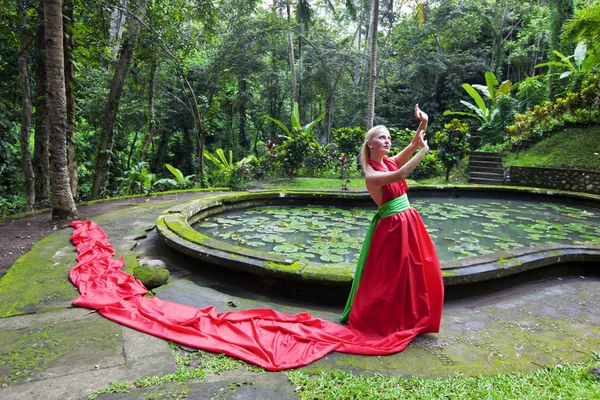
x=485 y=168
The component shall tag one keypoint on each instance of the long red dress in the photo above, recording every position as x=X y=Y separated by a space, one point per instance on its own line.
x=401 y=287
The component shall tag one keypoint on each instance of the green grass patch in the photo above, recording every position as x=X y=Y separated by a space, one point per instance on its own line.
x=306 y=183
x=573 y=148
x=194 y=365
x=310 y=183
x=564 y=381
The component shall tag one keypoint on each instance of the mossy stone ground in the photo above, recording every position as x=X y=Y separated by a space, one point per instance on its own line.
x=527 y=327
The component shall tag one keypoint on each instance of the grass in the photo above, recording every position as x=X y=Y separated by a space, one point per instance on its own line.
x=564 y=381
x=306 y=183
x=573 y=148
x=195 y=365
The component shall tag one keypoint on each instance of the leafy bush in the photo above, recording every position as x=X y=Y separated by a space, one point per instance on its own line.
x=452 y=143
x=227 y=172
x=572 y=109
x=532 y=92
x=429 y=167
x=348 y=140
x=297 y=144
x=138 y=180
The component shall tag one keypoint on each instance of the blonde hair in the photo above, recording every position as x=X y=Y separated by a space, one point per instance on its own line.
x=365 y=153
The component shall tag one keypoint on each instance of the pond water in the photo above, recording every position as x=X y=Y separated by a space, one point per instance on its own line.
x=459 y=227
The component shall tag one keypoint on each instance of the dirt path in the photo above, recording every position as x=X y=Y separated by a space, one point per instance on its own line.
x=19 y=235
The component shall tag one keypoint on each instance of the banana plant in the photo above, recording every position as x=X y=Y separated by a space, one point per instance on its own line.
x=480 y=109
x=295 y=119
x=181 y=180
x=583 y=63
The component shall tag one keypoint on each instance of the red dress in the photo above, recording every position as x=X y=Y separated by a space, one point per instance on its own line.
x=401 y=287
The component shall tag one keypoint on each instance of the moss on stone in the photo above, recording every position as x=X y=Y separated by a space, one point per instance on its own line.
x=151 y=277
x=28 y=353
x=39 y=279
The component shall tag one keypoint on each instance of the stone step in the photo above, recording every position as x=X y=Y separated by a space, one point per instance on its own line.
x=487 y=175
x=484 y=164
x=475 y=168
x=486 y=158
x=482 y=181
x=485 y=153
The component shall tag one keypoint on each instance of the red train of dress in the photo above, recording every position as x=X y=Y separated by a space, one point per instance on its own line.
x=401 y=287
x=265 y=337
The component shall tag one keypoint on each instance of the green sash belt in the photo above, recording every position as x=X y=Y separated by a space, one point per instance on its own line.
x=392 y=207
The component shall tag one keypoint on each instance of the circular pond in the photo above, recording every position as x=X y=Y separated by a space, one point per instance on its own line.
x=459 y=227
x=479 y=234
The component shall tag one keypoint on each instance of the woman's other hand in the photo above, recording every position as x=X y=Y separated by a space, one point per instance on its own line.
x=421 y=140
x=420 y=115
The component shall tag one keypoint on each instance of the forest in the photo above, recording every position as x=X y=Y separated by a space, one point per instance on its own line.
x=105 y=98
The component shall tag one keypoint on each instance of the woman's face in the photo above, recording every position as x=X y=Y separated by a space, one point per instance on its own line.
x=380 y=143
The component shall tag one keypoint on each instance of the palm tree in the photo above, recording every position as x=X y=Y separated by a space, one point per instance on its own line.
x=63 y=205
x=373 y=69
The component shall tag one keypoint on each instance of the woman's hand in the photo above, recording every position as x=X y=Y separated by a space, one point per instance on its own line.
x=420 y=115
x=422 y=143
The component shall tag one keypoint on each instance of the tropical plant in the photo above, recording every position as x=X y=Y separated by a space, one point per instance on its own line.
x=481 y=111
x=139 y=179
x=452 y=144
x=585 y=26
x=297 y=142
x=181 y=180
x=227 y=171
x=583 y=62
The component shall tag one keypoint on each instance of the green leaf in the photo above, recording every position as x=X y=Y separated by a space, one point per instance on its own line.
x=505 y=88
x=473 y=93
x=579 y=54
x=176 y=172
x=491 y=81
x=310 y=126
x=296 y=117
x=280 y=124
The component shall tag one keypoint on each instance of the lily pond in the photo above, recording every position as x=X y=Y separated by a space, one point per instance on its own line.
x=459 y=227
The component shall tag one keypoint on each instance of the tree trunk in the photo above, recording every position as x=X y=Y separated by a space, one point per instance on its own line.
x=242 y=100
x=112 y=107
x=25 y=40
x=115 y=30
x=69 y=46
x=357 y=65
x=41 y=160
x=151 y=109
x=291 y=54
x=63 y=205
x=373 y=69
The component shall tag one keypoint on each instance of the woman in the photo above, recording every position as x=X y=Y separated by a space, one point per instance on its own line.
x=398 y=283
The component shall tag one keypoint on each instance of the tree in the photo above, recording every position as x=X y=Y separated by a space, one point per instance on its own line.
x=69 y=44
x=452 y=144
x=41 y=151
x=373 y=65
x=25 y=40
x=103 y=154
x=63 y=205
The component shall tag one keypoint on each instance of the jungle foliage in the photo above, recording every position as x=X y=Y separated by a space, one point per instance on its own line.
x=161 y=87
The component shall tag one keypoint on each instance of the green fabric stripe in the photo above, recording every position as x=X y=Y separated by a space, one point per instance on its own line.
x=392 y=207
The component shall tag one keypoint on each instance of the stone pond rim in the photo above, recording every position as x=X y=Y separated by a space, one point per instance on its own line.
x=174 y=228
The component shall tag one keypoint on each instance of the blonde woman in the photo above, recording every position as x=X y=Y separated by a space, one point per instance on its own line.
x=398 y=282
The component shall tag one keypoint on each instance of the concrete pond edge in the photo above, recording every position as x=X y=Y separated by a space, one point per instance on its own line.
x=174 y=227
